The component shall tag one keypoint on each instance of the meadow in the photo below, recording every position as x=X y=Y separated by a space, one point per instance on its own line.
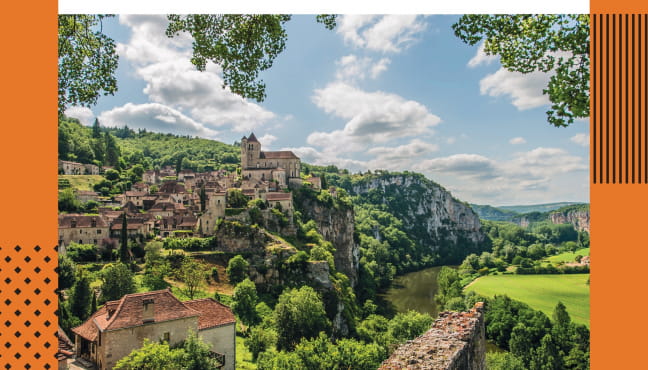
x=541 y=292
x=568 y=256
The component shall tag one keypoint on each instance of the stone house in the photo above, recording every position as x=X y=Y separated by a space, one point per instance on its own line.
x=121 y=326
x=150 y=177
x=284 y=199
x=75 y=168
x=85 y=196
x=136 y=197
x=82 y=229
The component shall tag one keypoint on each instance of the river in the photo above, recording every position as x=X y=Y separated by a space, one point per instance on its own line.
x=415 y=291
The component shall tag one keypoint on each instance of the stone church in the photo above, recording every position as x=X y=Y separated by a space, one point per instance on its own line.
x=282 y=166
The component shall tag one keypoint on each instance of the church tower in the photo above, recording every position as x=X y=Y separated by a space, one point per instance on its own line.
x=250 y=152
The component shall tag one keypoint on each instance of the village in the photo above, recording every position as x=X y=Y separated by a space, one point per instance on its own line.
x=182 y=204
x=169 y=204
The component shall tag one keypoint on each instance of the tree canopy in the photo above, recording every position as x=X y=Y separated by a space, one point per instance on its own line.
x=540 y=42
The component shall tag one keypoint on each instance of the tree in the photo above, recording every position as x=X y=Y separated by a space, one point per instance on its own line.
x=503 y=361
x=299 y=314
x=539 y=42
x=409 y=325
x=87 y=61
x=260 y=340
x=237 y=268
x=244 y=302
x=196 y=354
x=66 y=272
x=152 y=356
x=449 y=285
x=124 y=251
x=112 y=150
x=547 y=356
x=81 y=298
x=236 y=199
x=192 y=274
x=117 y=281
x=96 y=129
x=67 y=201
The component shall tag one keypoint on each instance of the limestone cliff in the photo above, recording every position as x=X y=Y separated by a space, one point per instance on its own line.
x=578 y=217
x=336 y=224
x=430 y=215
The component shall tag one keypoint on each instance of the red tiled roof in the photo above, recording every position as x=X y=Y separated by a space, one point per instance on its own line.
x=65 y=346
x=212 y=313
x=284 y=154
x=128 y=312
x=65 y=221
x=136 y=193
x=278 y=196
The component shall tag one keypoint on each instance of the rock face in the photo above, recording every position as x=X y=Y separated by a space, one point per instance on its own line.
x=456 y=341
x=430 y=214
x=579 y=218
x=336 y=225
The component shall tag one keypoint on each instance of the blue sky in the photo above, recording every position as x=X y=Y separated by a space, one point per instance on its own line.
x=378 y=92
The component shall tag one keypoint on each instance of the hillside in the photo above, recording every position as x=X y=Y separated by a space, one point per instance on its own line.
x=545 y=207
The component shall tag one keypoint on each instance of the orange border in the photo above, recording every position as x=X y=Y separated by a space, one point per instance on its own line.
x=28 y=149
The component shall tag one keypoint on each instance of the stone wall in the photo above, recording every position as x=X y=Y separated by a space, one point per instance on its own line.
x=456 y=341
x=222 y=339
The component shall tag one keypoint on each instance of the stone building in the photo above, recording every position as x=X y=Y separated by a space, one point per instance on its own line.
x=281 y=166
x=82 y=229
x=215 y=209
x=121 y=326
x=75 y=168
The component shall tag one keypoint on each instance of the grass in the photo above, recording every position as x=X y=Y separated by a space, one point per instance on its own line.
x=568 y=256
x=243 y=355
x=541 y=292
x=82 y=182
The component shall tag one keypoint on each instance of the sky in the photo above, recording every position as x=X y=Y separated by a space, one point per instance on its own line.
x=394 y=92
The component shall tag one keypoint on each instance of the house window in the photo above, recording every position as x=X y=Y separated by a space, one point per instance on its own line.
x=80 y=241
x=98 y=231
x=167 y=337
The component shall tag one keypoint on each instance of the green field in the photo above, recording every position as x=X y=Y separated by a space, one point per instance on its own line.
x=569 y=256
x=541 y=292
x=82 y=182
x=243 y=355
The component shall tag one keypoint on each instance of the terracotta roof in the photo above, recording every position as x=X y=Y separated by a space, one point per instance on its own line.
x=278 y=196
x=65 y=346
x=88 y=330
x=212 y=313
x=252 y=138
x=136 y=193
x=284 y=154
x=65 y=221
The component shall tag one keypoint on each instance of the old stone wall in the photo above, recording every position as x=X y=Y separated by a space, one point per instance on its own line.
x=456 y=341
x=222 y=339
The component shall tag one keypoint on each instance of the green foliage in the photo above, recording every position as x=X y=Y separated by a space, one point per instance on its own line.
x=82 y=252
x=236 y=199
x=192 y=273
x=244 y=302
x=81 y=296
x=539 y=42
x=189 y=243
x=67 y=201
x=260 y=340
x=151 y=356
x=408 y=325
x=66 y=272
x=237 y=269
x=503 y=361
x=87 y=61
x=117 y=280
x=243 y=45
x=449 y=285
x=299 y=313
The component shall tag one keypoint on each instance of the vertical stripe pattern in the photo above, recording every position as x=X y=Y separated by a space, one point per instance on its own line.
x=619 y=98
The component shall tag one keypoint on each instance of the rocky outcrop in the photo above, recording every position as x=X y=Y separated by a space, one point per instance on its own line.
x=430 y=215
x=236 y=237
x=336 y=224
x=456 y=341
x=579 y=218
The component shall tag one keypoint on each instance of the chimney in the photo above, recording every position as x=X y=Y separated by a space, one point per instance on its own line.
x=148 y=312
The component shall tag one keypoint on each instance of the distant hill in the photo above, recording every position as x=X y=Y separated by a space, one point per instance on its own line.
x=491 y=213
x=537 y=207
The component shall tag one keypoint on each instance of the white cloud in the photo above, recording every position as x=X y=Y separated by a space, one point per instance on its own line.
x=525 y=90
x=388 y=33
x=517 y=141
x=83 y=114
x=155 y=117
x=581 y=139
x=314 y=156
x=401 y=157
x=267 y=140
x=351 y=68
x=481 y=57
x=163 y=63
x=373 y=117
x=525 y=176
